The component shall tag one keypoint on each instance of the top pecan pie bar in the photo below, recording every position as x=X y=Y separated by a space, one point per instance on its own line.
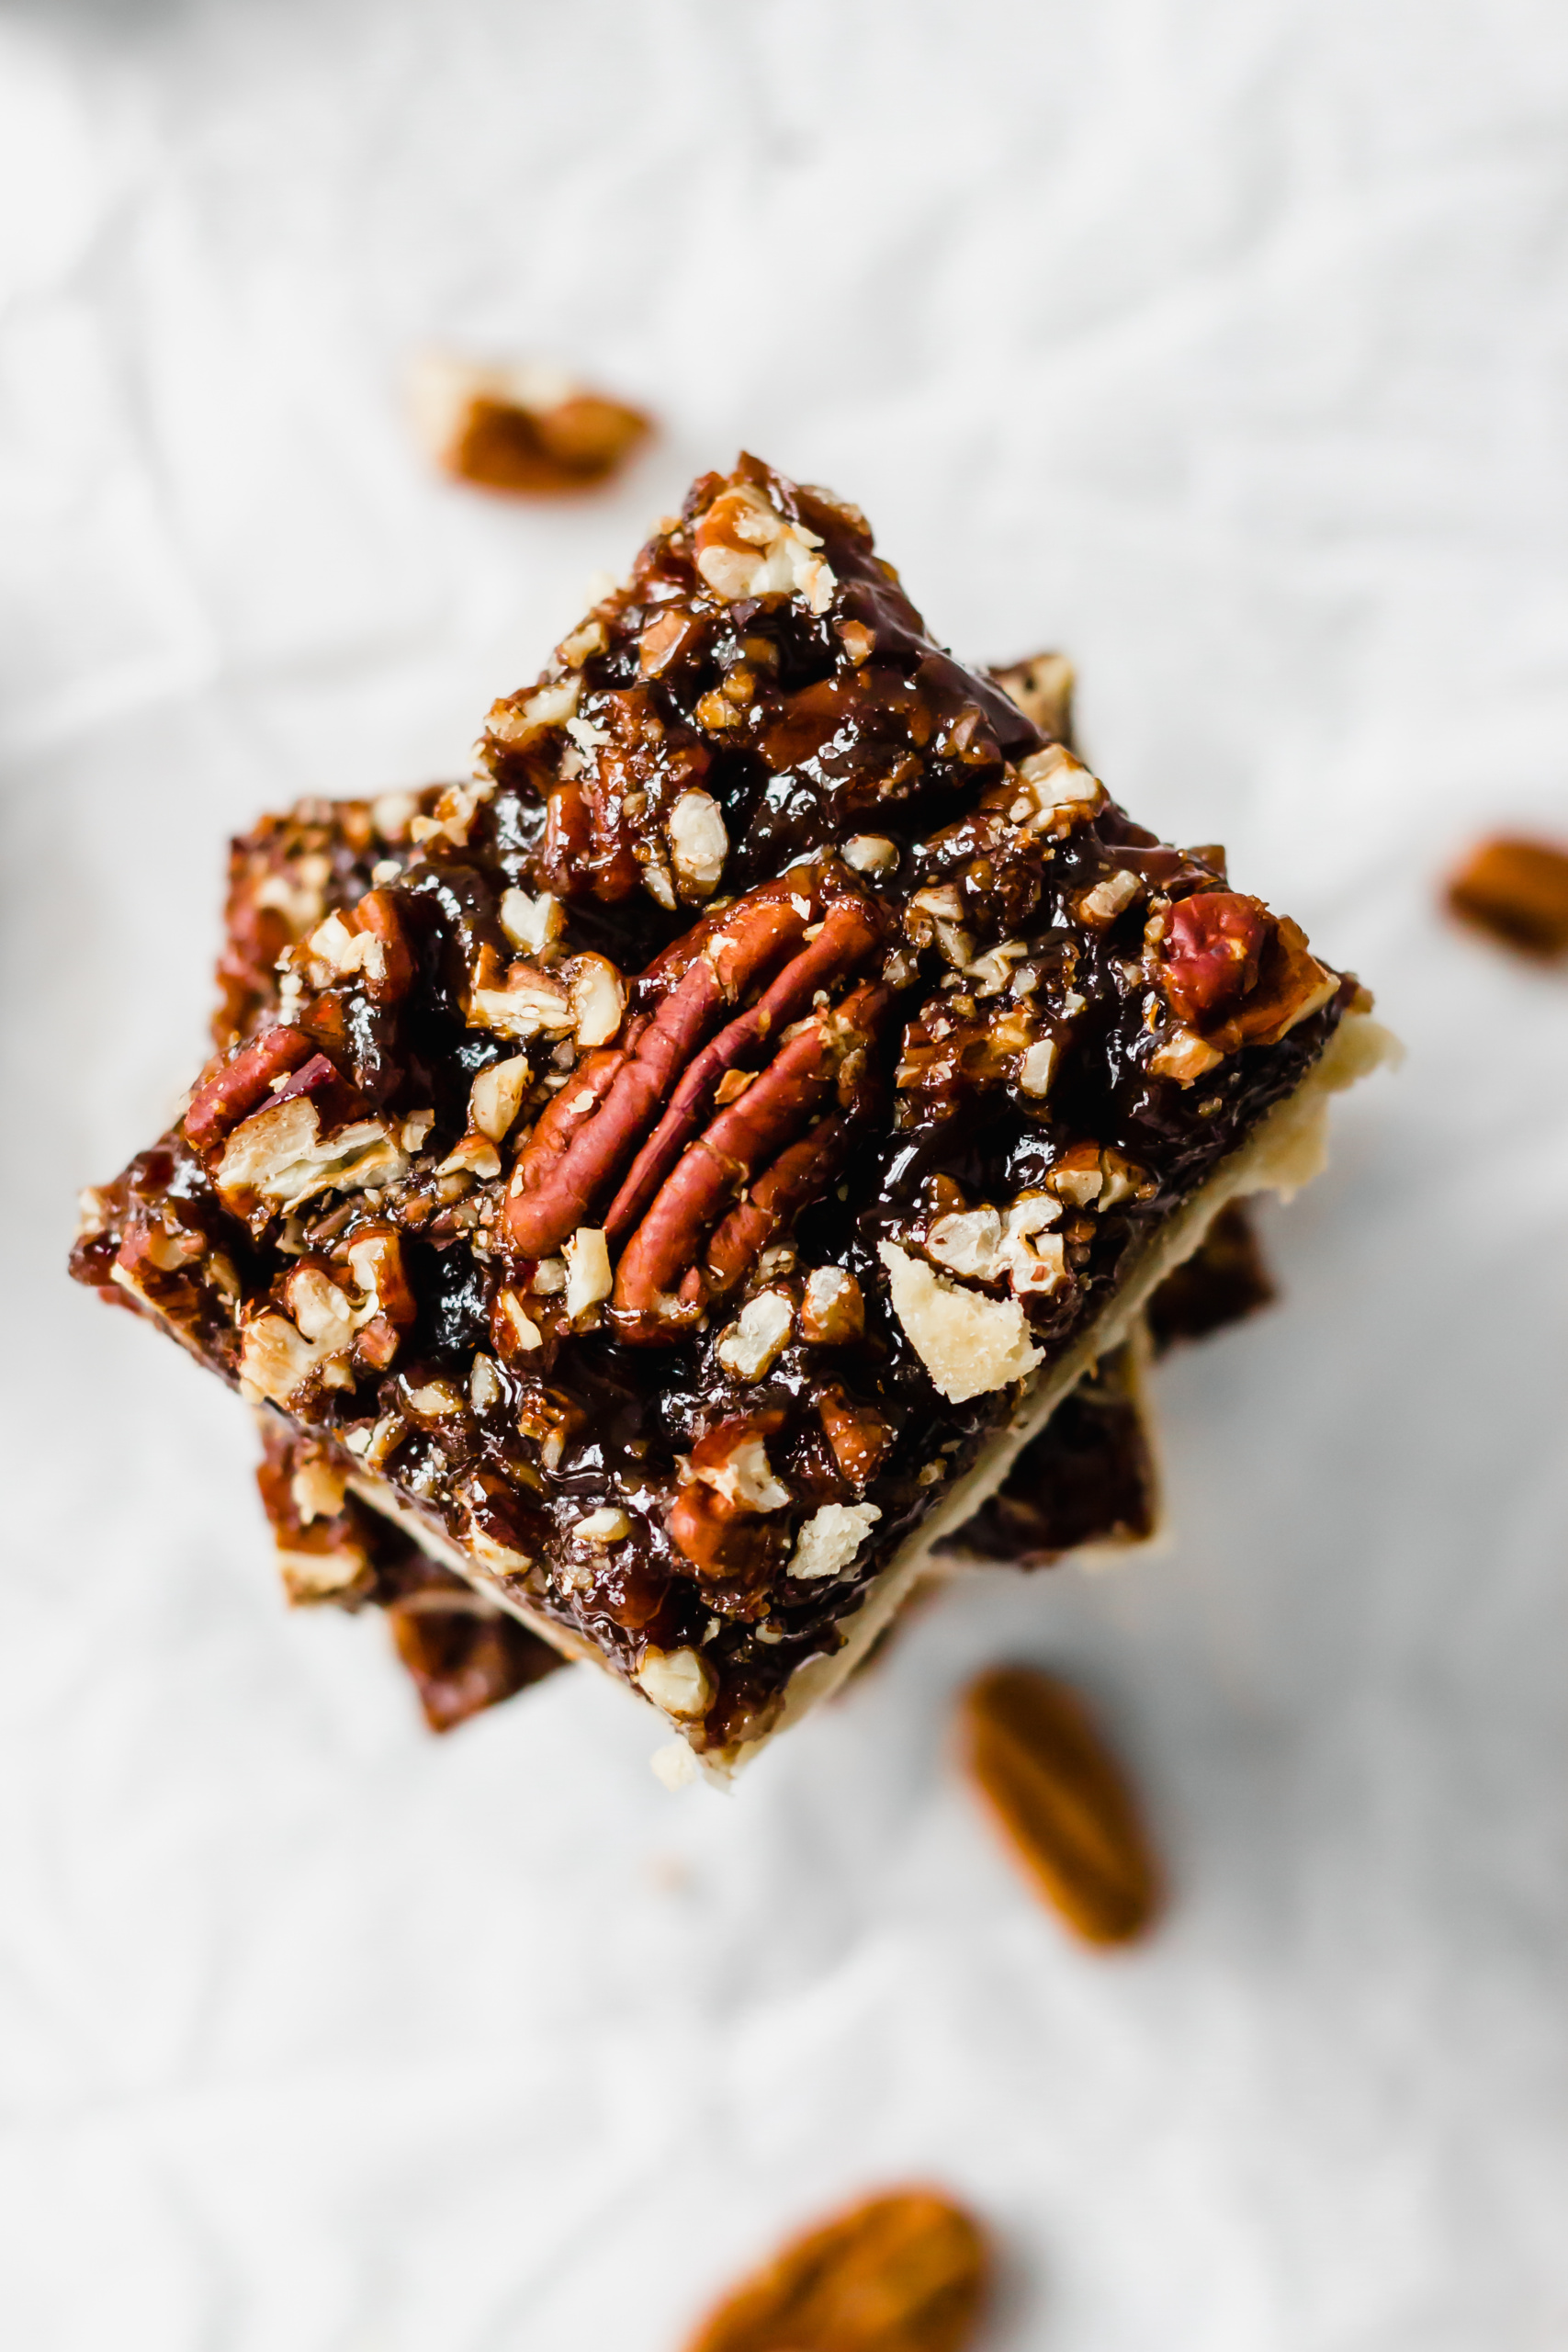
x=690 y=1160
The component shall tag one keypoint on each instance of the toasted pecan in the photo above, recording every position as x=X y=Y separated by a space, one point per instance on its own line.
x=528 y=430
x=1034 y=1752
x=906 y=2271
x=1514 y=891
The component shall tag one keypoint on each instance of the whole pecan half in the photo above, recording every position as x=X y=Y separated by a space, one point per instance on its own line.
x=1516 y=891
x=723 y=1106
x=237 y=1087
x=1034 y=1751
x=906 y=2271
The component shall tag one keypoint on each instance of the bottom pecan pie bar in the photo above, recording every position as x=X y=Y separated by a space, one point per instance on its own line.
x=674 y=1174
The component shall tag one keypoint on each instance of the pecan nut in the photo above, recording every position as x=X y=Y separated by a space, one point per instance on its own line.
x=237 y=1089
x=525 y=429
x=1213 y=946
x=720 y=1518
x=906 y=2271
x=1234 y=974
x=1034 y=1751
x=1517 y=892
x=706 y=1129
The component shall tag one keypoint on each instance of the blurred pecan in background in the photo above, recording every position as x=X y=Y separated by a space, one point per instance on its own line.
x=1035 y=1753
x=1517 y=892
x=528 y=429
x=903 y=2272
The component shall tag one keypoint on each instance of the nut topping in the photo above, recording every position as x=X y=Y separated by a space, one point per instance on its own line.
x=1213 y=947
x=1234 y=976
x=833 y=1311
x=745 y=547
x=709 y=1172
x=244 y=1083
x=724 y=1501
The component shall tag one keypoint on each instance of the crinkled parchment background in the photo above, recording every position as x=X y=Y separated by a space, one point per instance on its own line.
x=1224 y=343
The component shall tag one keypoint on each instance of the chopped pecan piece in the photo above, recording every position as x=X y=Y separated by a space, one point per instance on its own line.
x=1234 y=974
x=719 y=1521
x=904 y=2271
x=1214 y=943
x=1042 y=688
x=524 y=429
x=858 y=1434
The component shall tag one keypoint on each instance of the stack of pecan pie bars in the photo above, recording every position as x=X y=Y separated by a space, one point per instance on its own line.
x=656 y=1195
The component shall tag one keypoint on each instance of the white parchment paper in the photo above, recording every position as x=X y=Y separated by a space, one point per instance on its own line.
x=1224 y=343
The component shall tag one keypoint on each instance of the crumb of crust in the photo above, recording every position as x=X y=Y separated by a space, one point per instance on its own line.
x=674 y=1765
x=969 y=1343
x=831 y=1537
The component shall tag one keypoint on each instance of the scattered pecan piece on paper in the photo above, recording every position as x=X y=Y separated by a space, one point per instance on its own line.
x=903 y=2272
x=1517 y=892
x=530 y=430
x=1037 y=1756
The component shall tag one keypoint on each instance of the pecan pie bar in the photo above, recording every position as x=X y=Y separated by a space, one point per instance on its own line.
x=723 y=1131
x=1088 y=1480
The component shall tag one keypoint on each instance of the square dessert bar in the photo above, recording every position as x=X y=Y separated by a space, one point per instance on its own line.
x=676 y=1172
x=1089 y=1481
